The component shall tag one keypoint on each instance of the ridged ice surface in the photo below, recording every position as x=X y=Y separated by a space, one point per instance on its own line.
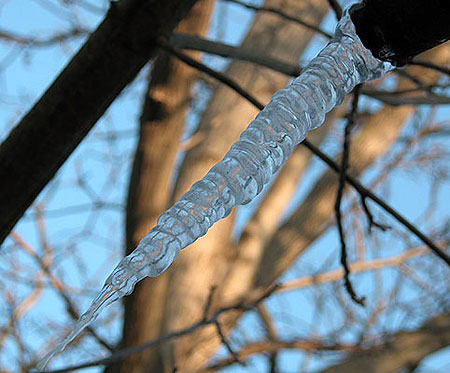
x=250 y=164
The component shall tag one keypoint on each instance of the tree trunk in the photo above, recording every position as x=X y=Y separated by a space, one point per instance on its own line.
x=203 y=264
x=162 y=121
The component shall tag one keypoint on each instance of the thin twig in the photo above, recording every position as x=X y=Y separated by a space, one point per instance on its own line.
x=340 y=192
x=315 y=150
x=271 y=335
x=123 y=353
x=283 y=15
x=398 y=99
x=31 y=41
x=390 y=210
x=226 y=343
x=261 y=347
x=370 y=218
x=216 y=75
x=192 y=42
x=414 y=79
x=355 y=267
x=58 y=286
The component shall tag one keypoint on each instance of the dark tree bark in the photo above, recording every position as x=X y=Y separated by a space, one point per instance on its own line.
x=110 y=59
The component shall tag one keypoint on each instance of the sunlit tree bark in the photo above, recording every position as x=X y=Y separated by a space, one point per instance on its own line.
x=161 y=126
x=205 y=263
x=402 y=352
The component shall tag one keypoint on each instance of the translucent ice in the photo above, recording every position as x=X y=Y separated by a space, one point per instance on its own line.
x=250 y=164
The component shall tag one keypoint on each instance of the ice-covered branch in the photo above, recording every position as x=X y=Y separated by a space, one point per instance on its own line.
x=250 y=164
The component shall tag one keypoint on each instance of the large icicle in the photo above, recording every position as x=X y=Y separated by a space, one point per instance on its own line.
x=250 y=164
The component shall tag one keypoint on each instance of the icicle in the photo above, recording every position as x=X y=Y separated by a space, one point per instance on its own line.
x=250 y=164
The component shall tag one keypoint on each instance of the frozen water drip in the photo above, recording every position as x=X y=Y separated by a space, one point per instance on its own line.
x=250 y=164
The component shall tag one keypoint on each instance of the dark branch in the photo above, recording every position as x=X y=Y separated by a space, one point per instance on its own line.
x=110 y=59
x=396 y=99
x=213 y=73
x=31 y=41
x=226 y=343
x=191 y=42
x=370 y=218
x=271 y=335
x=122 y=354
x=366 y=193
x=351 y=120
x=283 y=15
x=271 y=346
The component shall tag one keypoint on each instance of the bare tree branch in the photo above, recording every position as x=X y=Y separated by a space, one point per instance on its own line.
x=365 y=193
x=396 y=99
x=355 y=267
x=121 y=354
x=53 y=128
x=31 y=41
x=261 y=347
x=283 y=15
x=400 y=351
x=351 y=121
x=59 y=287
x=193 y=42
